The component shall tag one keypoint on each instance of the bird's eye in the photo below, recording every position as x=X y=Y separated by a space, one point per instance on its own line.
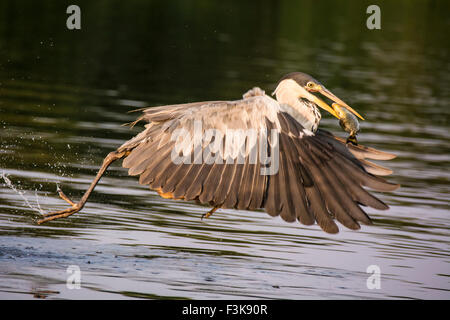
x=310 y=84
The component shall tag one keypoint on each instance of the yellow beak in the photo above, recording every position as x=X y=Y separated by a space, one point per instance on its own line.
x=303 y=93
x=324 y=91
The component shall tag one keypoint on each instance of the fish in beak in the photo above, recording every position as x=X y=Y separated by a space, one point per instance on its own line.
x=312 y=86
x=325 y=92
x=348 y=122
x=303 y=86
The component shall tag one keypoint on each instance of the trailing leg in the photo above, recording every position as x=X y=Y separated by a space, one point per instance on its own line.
x=209 y=213
x=75 y=207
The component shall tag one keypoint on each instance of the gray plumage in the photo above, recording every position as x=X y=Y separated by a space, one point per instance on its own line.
x=255 y=153
x=319 y=178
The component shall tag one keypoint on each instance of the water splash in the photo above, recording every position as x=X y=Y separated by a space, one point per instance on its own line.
x=10 y=185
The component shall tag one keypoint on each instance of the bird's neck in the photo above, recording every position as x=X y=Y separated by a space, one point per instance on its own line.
x=304 y=111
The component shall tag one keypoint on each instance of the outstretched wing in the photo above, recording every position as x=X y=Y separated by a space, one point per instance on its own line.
x=249 y=154
x=321 y=179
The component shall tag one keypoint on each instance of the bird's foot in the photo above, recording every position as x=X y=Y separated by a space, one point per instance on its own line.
x=209 y=213
x=60 y=214
x=75 y=207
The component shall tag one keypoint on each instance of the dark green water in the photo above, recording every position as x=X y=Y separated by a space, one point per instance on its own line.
x=65 y=94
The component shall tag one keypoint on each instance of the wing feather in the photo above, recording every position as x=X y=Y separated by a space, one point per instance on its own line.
x=320 y=178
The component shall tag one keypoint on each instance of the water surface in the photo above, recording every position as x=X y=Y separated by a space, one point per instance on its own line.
x=65 y=94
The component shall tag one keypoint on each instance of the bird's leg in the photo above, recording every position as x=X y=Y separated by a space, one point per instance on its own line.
x=209 y=213
x=63 y=196
x=75 y=207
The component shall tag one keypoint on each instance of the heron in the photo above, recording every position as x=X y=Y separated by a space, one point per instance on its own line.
x=319 y=178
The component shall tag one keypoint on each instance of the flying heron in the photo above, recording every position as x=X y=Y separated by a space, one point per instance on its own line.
x=319 y=178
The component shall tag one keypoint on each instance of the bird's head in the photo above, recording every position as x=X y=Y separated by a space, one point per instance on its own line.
x=302 y=86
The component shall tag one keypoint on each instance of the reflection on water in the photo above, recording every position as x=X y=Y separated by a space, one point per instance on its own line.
x=64 y=96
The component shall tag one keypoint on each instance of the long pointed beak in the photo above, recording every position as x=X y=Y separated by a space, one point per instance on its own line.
x=324 y=91
x=305 y=94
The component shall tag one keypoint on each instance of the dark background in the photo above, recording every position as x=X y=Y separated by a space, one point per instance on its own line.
x=64 y=95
